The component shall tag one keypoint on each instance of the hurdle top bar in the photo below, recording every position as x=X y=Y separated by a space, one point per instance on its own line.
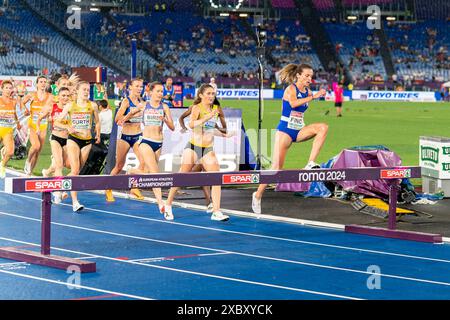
x=163 y=180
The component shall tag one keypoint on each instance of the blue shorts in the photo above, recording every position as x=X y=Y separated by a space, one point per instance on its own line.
x=130 y=139
x=152 y=144
x=282 y=126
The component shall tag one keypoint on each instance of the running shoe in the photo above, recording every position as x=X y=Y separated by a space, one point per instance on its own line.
x=209 y=208
x=161 y=208
x=136 y=193
x=256 y=204
x=27 y=168
x=44 y=173
x=2 y=171
x=312 y=165
x=57 y=197
x=168 y=215
x=109 y=196
x=219 y=216
x=77 y=207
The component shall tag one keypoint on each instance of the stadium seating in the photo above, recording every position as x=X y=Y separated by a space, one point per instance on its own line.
x=418 y=52
x=358 y=48
x=28 y=27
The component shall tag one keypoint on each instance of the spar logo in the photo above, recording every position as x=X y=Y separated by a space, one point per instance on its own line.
x=429 y=154
x=395 y=173
x=48 y=185
x=242 y=178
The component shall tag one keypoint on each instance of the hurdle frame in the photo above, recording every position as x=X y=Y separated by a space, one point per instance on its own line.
x=148 y=181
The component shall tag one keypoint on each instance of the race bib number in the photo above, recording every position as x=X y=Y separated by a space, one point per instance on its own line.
x=81 y=121
x=296 y=120
x=153 y=117
x=7 y=119
x=210 y=124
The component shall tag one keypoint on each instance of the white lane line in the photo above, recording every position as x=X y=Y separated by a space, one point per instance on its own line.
x=257 y=235
x=74 y=285
x=237 y=253
x=200 y=274
x=175 y=257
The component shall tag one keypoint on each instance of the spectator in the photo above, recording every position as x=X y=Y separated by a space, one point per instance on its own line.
x=106 y=121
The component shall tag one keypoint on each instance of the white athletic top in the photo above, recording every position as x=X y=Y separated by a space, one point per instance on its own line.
x=106 y=121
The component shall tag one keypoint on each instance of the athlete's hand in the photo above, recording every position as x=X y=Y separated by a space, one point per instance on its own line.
x=97 y=140
x=71 y=130
x=320 y=93
x=120 y=123
x=213 y=114
x=230 y=134
x=18 y=126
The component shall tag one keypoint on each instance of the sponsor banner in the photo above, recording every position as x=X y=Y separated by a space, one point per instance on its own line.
x=244 y=178
x=395 y=173
x=434 y=157
x=227 y=150
x=21 y=82
x=393 y=95
x=48 y=185
x=243 y=94
x=144 y=183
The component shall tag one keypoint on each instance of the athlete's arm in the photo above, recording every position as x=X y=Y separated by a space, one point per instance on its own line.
x=18 y=126
x=195 y=122
x=168 y=117
x=120 y=117
x=222 y=121
x=97 y=126
x=64 y=114
x=183 y=116
x=291 y=96
x=44 y=114
x=24 y=101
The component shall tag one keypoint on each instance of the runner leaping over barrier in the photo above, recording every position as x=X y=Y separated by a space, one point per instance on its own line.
x=147 y=181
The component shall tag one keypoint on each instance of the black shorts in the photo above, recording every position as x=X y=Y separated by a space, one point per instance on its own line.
x=62 y=141
x=199 y=151
x=80 y=142
x=338 y=104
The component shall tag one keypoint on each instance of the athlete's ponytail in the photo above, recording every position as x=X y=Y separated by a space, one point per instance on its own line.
x=289 y=73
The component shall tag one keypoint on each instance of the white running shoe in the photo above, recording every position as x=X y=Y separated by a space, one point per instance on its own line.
x=77 y=207
x=168 y=215
x=2 y=171
x=27 y=168
x=219 y=216
x=44 y=173
x=57 y=197
x=312 y=165
x=162 y=208
x=209 y=208
x=256 y=204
